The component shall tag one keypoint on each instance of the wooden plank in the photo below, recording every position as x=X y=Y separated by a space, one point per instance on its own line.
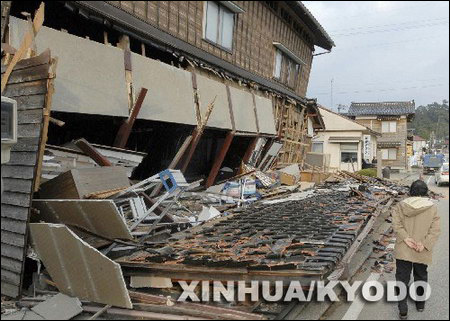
x=29 y=130
x=13 y=226
x=18 y=185
x=29 y=75
x=125 y=130
x=23 y=158
x=27 y=41
x=30 y=116
x=30 y=102
x=38 y=87
x=14 y=212
x=10 y=290
x=92 y=152
x=20 y=172
x=13 y=239
x=17 y=199
x=12 y=252
x=219 y=159
x=46 y=122
x=10 y=277
x=26 y=144
x=11 y=265
x=43 y=58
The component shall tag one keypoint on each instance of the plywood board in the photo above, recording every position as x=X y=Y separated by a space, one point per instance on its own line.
x=170 y=95
x=100 y=217
x=243 y=109
x=209 y=90
x=266 y=116
x=78 y=183
x=78 y=269
x=91 y=77
x=59 y=307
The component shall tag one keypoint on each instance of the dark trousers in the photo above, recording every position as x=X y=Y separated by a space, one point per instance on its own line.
x=403 y=274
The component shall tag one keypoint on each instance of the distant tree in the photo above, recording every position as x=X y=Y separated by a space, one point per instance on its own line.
x=433 y=117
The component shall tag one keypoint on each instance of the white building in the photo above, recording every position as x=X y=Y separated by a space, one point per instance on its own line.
x=346 y=142
x=419 y=144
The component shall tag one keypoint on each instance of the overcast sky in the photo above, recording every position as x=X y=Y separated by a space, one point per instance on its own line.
x=385 y=51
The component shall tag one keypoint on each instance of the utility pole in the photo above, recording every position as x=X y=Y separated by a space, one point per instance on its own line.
x=331 y=98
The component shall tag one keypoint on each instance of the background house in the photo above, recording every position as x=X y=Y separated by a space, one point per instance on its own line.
x=391 y=119
x=346 y=142
x=419 y=144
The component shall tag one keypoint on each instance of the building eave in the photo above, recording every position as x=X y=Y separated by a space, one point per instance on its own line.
x=322 y=38
x=138 y=29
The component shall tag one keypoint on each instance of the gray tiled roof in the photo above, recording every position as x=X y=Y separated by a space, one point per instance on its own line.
x=394 y=108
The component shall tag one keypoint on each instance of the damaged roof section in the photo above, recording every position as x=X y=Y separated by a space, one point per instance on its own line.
x=305 y=237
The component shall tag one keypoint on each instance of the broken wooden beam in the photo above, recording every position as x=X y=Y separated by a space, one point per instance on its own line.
x=90 y=150
x=219 y=159
x=125 y=130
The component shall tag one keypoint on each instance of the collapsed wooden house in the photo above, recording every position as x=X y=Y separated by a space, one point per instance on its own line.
x=195 y=85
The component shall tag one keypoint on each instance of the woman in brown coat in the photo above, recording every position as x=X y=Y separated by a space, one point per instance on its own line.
x=417 y=225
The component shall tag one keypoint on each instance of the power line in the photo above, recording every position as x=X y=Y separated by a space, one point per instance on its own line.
x=387 y=82
x=391 y=30
x=387 y=44
x=381 y=90
x=390 y=24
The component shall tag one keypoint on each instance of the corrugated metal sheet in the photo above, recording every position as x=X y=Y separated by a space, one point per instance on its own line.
x=27 y=85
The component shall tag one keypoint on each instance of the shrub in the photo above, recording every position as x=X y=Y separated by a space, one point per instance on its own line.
x=370 y=172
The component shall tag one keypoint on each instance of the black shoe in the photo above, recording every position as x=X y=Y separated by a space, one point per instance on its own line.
x=420 y=309
x=404 y=316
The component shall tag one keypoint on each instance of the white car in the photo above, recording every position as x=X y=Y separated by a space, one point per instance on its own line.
x=442 y=175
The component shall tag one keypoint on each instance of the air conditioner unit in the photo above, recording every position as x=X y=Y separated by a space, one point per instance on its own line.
x=9 y=127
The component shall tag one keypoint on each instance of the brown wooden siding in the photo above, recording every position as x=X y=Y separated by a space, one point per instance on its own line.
x=254 y=34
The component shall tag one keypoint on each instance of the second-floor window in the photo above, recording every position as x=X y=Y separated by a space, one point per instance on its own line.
x=286 y=69
x=219 y=25
x=389 y=127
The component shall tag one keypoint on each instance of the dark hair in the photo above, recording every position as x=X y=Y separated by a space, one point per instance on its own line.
x=419 y=189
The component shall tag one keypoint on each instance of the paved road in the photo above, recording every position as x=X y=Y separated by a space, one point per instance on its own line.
x=438 y=306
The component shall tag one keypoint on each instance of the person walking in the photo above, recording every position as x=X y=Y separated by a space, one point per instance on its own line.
x=417 y=225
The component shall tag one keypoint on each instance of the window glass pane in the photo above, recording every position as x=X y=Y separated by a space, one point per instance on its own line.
x=393 y=127
x=385 y=127
x=310 y=128
x=393 y=154
x=349 y=157
x=385 y=154
x=317 y=148
x=212 y=21
x=278 y=61
x=227 y=22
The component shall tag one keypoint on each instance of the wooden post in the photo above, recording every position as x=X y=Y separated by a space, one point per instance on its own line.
x=26 y=43
x=380 y=164
x=219 y=159
x=250 y=150
x=197 y=135
x=125 y=130
x=89 y=150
